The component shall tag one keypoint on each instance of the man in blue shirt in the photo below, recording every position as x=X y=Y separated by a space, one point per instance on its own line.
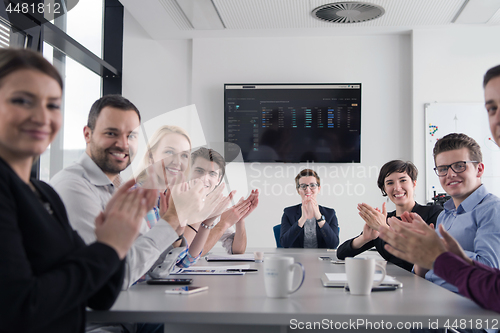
x=469 y=216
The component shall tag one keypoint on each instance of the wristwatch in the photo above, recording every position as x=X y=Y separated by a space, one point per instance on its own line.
x=322 y=218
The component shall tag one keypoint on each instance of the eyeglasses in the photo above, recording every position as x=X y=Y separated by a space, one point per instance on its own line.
x=457 y=167
x=312 y=186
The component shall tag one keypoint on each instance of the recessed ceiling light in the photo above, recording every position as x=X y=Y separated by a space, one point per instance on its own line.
x=202 y=14
x=477 y=11
x=348 y=12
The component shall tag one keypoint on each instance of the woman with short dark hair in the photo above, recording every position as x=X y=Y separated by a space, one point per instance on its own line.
x=397 y=180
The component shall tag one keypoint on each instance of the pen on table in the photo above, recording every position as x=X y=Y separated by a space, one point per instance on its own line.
x=242 y=270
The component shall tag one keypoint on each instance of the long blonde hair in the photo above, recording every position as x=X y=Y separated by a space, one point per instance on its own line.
x=153 y=144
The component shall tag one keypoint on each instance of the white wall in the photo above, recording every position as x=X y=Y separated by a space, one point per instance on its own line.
x=448 y=67
x=161 y=76
x=156 y=74
x=380 y=63
x=399 y=73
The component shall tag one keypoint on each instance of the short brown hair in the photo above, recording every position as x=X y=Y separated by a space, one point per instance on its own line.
x=115 y=101
x=491 y=74
x=306 y=173
x=212 y=156
x=12 y=60
x=395 y=166
x=455 y=141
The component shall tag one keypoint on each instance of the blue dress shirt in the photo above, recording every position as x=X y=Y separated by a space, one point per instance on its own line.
x=475 y=224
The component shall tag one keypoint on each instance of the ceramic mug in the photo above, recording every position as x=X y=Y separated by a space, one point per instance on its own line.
x=258 y=255
x=278 y=276
x=360 y=273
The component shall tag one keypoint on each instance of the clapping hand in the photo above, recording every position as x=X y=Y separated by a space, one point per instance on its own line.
x=415 y=242
x=118 y=226
x=192 y=205
x=373 y=217
x=150 y=182
x=254 y=202
x=369 y=234
x=307 y=208
x=164 y=200
x=235 y=213
x=222 y=206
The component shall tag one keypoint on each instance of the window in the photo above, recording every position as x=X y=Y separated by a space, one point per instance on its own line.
x=10 y=37
x=85 y=25
x=75 y=43
x=82 y=88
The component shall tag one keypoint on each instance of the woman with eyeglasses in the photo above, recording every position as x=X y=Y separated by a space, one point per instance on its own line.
x=397 y=180
x=309 y=225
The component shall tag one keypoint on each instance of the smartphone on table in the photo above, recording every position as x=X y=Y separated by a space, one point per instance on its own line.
x=169 y=281
x=186 y=290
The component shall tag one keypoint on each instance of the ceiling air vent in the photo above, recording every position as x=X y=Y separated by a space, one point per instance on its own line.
x=348 y=12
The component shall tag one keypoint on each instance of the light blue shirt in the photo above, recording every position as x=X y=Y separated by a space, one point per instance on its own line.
x=475 y=224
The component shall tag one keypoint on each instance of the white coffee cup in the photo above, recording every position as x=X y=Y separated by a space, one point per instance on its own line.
x=360 y=273
x=258 y=255
x=278 y=276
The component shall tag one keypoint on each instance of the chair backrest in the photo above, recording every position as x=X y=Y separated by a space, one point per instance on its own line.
x=277 y=231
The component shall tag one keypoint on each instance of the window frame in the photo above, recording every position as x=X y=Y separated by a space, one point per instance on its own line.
x=109 y=67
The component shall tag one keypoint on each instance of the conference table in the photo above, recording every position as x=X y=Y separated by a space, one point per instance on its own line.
x=238 y=303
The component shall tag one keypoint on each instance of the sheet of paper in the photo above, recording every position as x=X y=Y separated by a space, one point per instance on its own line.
x=342 y=278
x=230 y=257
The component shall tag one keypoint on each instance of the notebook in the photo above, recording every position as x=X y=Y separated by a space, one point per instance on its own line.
x=230 y=257
x=339 y=280
x=210 y=270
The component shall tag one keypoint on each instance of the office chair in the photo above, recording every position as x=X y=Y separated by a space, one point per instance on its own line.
x=277 y=231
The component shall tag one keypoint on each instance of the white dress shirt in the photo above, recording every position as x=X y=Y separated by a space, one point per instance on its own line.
x=85 y=191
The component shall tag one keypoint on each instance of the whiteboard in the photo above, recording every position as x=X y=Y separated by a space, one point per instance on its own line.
x=467 y=118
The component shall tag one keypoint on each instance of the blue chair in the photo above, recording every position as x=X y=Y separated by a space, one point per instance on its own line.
x=277 y=231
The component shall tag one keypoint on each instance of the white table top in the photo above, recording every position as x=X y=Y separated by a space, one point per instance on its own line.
x=242 y=300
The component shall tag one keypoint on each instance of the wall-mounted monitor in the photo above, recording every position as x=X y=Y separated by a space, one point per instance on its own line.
x=294 y=122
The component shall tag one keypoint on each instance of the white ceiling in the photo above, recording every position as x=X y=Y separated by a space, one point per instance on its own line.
x=164 y=19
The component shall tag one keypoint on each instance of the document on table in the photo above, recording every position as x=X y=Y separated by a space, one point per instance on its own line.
x=230 y=257
x=210 y=270
x=339 y=280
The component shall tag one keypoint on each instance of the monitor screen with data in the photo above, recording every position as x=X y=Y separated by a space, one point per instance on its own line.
x=294 y=122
